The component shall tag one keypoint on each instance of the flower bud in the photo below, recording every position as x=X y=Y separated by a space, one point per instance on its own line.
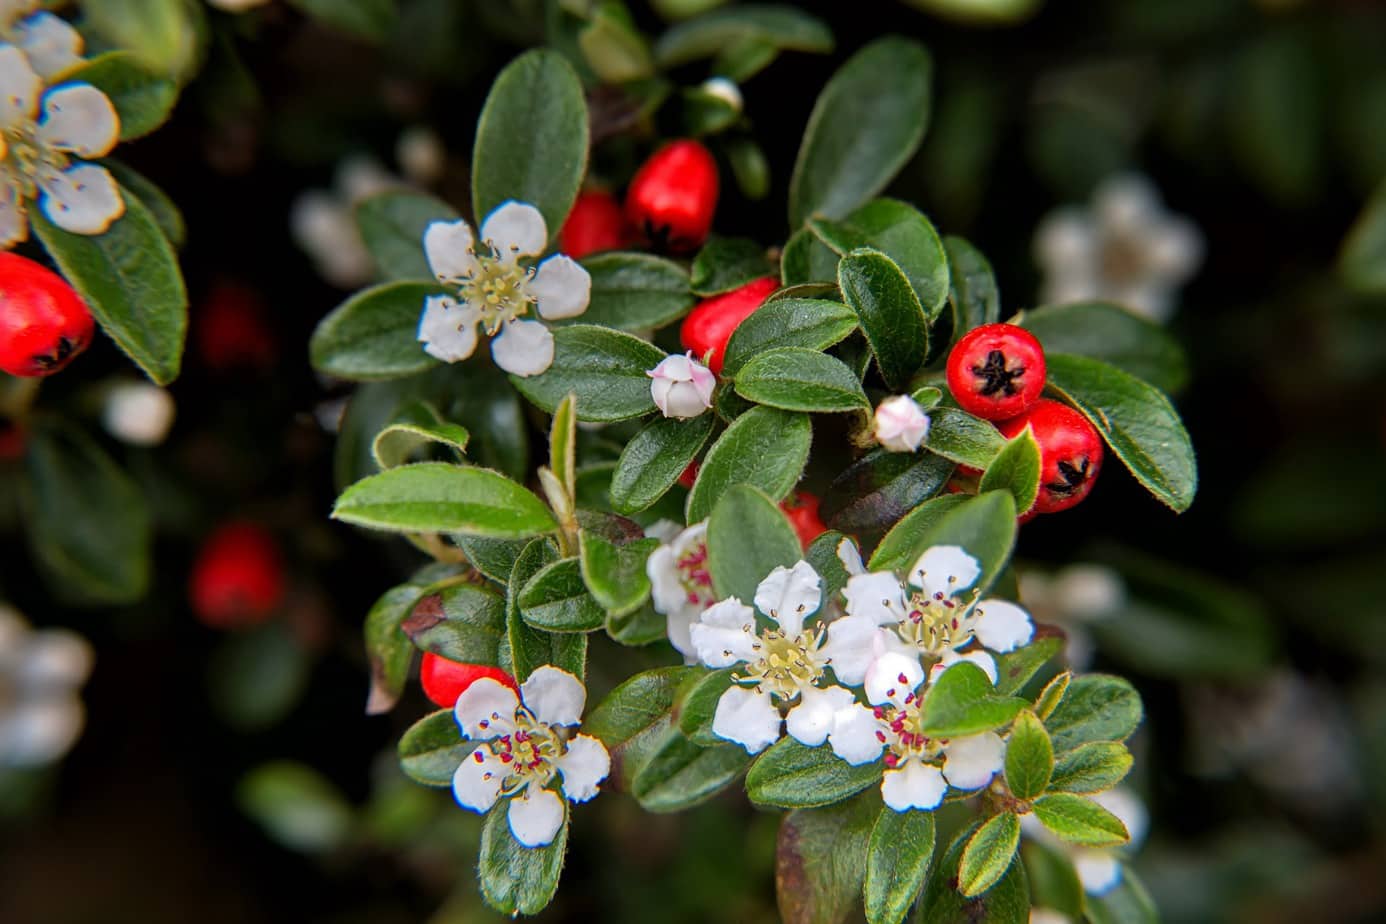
x=725 y=90
x=901 y=424
x=138 y=413
x=681 y=386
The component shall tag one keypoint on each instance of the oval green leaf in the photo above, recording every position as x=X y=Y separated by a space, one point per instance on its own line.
x=635 y=291
x=796 y=379
x=374 y=334
x=889 y=311
x=435 y=497
x=739 y=457
x=606 y=367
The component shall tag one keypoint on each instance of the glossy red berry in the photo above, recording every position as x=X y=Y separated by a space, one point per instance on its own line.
x=238 y=578
x=231 y=330
x=801 y=508
x=709 y=325
x=996 y=371
x=596 y=223
x=443 y=680
x=672 y=198
x=690 y=474
x=44 y=323
x=1070 y=453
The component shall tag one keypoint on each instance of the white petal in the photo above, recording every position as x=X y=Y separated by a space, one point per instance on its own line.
x=725 y=634
x=790 y=595
x=681 y=400
x=913 y=786
x=1126 y=203
x=678 y=626
x=448 y=247
x=523 y=348
x=856 y=735
x=584 y=766
x=1001 y=625
x=448 y=329
x=38 y=732
x=849 y=648
x=54 y=660
x=83 y=200
x=946 y=570
x=79 y=118
x=138 y=413
x=555 y=696
x=359 y=177
x=563 y=288
x=20 y=88
x=514 y=230
x=950 y=657
x=971 y=762
x=486 y=709
x=49 y=42
x=900 y=424
x=535 y=816
x=1098 y=870
x=1049 y=916
x=1126 y=806
x=1066 y=244
x=1088 y=591
x=476 y=784
x=877 y=596
x=850 y=556
x=666 y=590
x=892 y=678
x=812 y=718
x=747 y=718
x=1175 y=249
x=14 y=224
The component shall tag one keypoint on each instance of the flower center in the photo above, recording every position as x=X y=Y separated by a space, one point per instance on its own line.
x=29 y=158
x=530 y=752
x=1122 y=258
x=785 y=665
x=902 y=733
x=694 y=576
x=498 y=288
x=937 y=623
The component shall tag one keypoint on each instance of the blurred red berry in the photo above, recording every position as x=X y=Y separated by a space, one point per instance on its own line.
x=709 y=325
x=801 y=508
x=238 y=578
x=231 y=330
x=690 y=474
x=1070 y=453
x=44 y=323
x=996 y=371
x=12 y=441
x=443 y=680
x=596 y=223
x=672 y=198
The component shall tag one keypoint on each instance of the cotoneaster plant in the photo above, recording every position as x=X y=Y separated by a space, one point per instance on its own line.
x=840 y=641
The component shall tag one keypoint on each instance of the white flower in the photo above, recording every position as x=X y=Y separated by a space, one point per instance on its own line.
x=526 y=742
x=919 y=769
x=681 y=386
x=930 y=617
x=48 y=41
x=421 y=155
x=1126 y=249
x=1099 y=868
x=497 y=292
x=681 y=585
x=724 y=89
x=783 y=665
x=323 y=222
x=901 y=424
x=45 y=137
x=138 y=413
x=41 y=714
x=1074 y=597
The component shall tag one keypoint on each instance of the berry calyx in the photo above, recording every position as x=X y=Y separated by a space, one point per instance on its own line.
x=801 y=508
x=672 y=198
x=443 y=680
x=1070 y=453
x=238 y=577
x=710 y=324
x=44 y=323
x=996 y=371
x=596 y=223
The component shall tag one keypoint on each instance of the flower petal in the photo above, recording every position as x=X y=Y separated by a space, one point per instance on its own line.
x=946 y=570
x=20 y=88
x=585 y=764
x=14 y=224
x=83 y=200
x=79 y=118
x=849 y=648
x=555 y=696
x=790 y=595
x=811 y=719
x=514 y=230
x=37 y=732
x=536 y=816
x=1098 y=870
x=449 y=247
x=477 y=782
x=855 y=736
x=1126 y=806
x=54 y=660
x=877 y=596
x=49 y=42
x=913 y=786
x=892 y=678
x=971 y=762
x=1001 y=625
x=523 y=348
x=850 y=556
x=486 y=709
x=950 y=657
x=562 y=287
x=1066 y=244
x=725 y=634
x=448 y=329
x=747 y=718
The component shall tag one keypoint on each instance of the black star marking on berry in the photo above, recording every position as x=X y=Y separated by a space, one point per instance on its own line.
x=53 y=360
x=999 y=378
x=1073 y=478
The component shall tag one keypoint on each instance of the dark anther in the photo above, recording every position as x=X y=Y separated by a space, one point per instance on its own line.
x=999 y=378
x=1073 y=476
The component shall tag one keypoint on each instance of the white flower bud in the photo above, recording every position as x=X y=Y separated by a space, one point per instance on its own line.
x=420 y=154
x=901 y=424
x=681 y=386
x=725 y=90
x=138 y=413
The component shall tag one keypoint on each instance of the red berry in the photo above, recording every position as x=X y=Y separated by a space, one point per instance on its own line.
x=709 y=325
x=690 y=474
x=802 y=509
x=443 y=680
x=231 y=331
x=996 y=371
x=673 y=196
x=238 y=578
x=1070 y=453
x=43 y=321
x=596 y=223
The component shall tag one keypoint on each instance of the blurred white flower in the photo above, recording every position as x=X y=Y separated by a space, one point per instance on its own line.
x=421 y=155
x=724 y=89
x=900 y=424
x=1073 y=598
x=41 y=672
x=138 y=413
x=1099 y=869
x=681 y=386
x=1126 y=248
x=681 y=584
x=48 y=41
x=323 y=223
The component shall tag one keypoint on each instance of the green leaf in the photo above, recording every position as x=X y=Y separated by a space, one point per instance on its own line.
x=414 y=427
x=795 y=379
x=556 y=599
x=1127 y=902
x=516 y=879
x=822 y=556
x=432 y=748
x=637 y=628
x=791 y=775
x=529 y=647
x=809 y=324
x=531 y=139
x=1095 y=707
x=1015 y=668
x=612 y=45
x=392 y=225
x=966 y=440
x=988 y=854
x=161 y=208
x=563 y=445
x=1016 y=469
x=697 y=706
x=163 y=35
x=296 y=805
x=749 y=166
x=1091 y=768
x=388 y=649
x=130 y=280
x=781 y=27
x=654 y=459
x=1053 y=693
x=972 y=287
x=494 y=558
x=1115 y=336
x=902 y=846
x=436 y=497
x=962 y=702
x=739 y=457
x=372 y=20
x=636 y=705
x=635 y=291
x=747 y=538
x=1054 y=883
x=255 y=678
x=865 y=126
x=1029 y=757
x=142 y=100
x=1006 y=902
x=374 y=334
x=605 y=367
x=880 y=488
x=889 y=311
x=87 y=521
x=896 y=550
x=1362 y=261
x=820 y=860
x=806 y=260
x=983 y=525
x=1080 y=821
x=1136 y=420
x=727 y=263
x=615 y=571
x=682 y=774
x=901 y=232
x=461 y=622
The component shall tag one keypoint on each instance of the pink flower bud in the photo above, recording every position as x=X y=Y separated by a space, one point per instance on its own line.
x=681 y=386
x=901 y=424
